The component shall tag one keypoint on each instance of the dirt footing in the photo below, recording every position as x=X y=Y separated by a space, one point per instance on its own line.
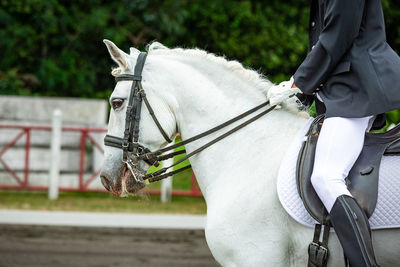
x=26 y=245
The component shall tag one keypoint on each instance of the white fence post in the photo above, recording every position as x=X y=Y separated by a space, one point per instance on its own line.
x=54 y=171
x=166 y=184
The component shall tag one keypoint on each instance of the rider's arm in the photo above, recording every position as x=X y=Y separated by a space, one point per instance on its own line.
x=342 y=24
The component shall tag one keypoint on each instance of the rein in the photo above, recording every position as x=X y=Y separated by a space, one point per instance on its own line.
x=133 y=152
x=157 y=175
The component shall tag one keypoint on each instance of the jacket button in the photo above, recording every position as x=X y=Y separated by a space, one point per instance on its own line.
x=313 y=24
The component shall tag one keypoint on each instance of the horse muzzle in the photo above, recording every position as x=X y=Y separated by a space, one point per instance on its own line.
x=126 y=182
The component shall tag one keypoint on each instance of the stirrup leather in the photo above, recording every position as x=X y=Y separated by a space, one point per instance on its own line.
x=318 y=251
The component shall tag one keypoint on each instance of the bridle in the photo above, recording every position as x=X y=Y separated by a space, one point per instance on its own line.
x=129 y=144
x=133 y=152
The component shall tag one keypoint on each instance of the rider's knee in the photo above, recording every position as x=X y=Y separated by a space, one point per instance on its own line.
x=321 y=181
x=324 y=181
x=318 y=181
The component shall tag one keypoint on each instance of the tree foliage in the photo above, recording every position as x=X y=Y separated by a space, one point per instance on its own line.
x=55 y=48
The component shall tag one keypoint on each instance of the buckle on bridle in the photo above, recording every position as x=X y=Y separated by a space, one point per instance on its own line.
x=140 y=150
x=151 y=159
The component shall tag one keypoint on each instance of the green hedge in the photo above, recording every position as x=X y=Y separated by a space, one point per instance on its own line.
x=55 y=48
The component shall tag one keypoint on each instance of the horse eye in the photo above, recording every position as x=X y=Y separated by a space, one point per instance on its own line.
x=117 y=103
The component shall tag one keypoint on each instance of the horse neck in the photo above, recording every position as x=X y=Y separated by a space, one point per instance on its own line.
x=210 y=95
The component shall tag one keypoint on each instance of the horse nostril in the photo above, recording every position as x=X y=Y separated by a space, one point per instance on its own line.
x=106 y=183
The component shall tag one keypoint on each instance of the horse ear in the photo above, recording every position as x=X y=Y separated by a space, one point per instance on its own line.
x=134 y=51
x=119 y=56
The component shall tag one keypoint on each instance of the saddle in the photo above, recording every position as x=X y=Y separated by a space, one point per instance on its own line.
x=362 y=180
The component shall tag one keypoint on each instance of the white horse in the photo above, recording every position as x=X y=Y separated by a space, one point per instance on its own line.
x=191 y=91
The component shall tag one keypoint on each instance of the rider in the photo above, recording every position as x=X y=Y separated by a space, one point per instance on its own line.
x=353 y=75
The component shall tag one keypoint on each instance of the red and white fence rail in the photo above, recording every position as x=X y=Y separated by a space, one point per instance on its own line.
x=23 y=134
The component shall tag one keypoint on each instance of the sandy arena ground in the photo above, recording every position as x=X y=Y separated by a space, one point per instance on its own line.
x=25 y=245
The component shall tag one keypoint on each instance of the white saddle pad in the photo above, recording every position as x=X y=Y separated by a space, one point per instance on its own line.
x=387 y=211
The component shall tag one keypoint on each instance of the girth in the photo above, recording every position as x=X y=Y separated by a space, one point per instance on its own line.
x=133 y=151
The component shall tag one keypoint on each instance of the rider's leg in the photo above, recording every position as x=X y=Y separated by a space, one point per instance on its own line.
x=339 y=145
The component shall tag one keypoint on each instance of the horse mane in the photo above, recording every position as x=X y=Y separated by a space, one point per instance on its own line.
x=257 y=79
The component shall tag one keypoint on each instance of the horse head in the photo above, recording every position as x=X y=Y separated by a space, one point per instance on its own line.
x=123 y=174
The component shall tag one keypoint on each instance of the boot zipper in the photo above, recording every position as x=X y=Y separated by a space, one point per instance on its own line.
x=348 y=211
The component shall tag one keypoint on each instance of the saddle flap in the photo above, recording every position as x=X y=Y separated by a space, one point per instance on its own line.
x=304 y=168
x=362 y=180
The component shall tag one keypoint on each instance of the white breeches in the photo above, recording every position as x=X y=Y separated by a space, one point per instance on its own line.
x=339 y=145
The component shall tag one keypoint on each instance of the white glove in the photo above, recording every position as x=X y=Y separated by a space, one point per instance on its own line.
x=279 y=93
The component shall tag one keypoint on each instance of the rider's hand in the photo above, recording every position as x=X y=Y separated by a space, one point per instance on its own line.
x=280 y=93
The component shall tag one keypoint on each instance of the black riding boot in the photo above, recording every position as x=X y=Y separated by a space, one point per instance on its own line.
x=352 y=228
